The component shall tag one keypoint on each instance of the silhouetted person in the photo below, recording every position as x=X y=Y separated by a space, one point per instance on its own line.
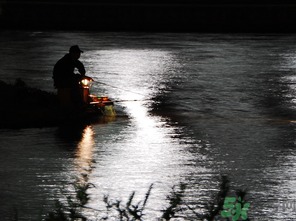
x=65 y=80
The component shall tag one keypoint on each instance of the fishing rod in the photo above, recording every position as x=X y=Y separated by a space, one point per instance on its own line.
x=120 y=88
x=132 y=100
x=127 y=91
x=135 y=100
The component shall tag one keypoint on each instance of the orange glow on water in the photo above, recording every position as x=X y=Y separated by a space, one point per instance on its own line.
x=85 y=147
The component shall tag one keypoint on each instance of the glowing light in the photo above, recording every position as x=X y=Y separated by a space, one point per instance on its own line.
x=86 y=82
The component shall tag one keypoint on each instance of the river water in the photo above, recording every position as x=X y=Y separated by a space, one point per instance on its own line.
x=191 y=108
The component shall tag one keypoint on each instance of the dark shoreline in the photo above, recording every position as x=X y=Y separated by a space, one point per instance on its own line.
x=174 y=17
x=25 y=107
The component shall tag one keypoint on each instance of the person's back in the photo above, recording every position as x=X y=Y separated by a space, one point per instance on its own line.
x=65 y=80
x=63 y=72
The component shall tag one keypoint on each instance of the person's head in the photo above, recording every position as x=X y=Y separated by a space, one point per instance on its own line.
x=75 y=52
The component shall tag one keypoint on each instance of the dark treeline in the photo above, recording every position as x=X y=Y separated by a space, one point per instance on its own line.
x=157 y=2
x=152 y=15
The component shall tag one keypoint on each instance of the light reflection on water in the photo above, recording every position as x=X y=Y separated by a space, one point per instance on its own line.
x=148 y=150
x=131 y=74
x=85 y=149
x=143 y=154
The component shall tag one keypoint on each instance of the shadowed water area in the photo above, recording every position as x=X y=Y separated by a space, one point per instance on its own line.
x=191 y=107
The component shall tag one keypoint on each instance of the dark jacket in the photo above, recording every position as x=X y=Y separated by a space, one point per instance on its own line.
x=63 y=72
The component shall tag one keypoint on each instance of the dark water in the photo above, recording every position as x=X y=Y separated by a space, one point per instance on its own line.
x=192 y=107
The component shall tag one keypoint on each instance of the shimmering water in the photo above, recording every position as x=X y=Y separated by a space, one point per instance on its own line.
x=192 y=107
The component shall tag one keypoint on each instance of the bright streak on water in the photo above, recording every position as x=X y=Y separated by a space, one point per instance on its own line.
x=134 y=74
x=146 y=152
x=85 y=149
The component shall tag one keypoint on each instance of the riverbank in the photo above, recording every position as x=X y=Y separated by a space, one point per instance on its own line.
x=23 y=106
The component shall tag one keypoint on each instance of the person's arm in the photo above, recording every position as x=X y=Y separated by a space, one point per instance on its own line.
x=80 y=67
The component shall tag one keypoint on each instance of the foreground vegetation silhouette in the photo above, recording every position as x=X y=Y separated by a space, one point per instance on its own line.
x=72 y=209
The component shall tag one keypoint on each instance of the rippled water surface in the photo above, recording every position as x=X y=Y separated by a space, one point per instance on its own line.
x=191 y=107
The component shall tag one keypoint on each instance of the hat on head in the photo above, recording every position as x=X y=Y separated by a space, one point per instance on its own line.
x=75 y=48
